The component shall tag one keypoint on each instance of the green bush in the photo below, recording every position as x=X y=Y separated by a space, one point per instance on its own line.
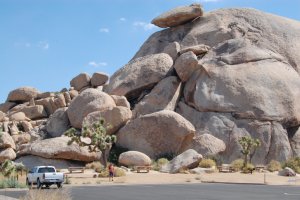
x=118 y=172
x=217 y=158
x=11 y=183
x=207 y=163
x=237 y=165
x=156 y=165
x=274 y=165
x=294 y=164
x=94 y=165
x=248 y=169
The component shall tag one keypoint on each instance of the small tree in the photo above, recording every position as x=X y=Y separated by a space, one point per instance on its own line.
x=249 y=146
x=98 y=139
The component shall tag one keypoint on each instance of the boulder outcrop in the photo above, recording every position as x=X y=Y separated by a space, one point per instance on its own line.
x=7 y=154
x=186 y=160
x=178 y=16
x=99 y=79
x=157 y=134
x=139 y=74
x=22 y=94
x=115 y=118
x=164 y=96
x=134 y=158
x=88 y=101
x=6 y=141
x=80 y=81
x=57 y=148
x=58 y=123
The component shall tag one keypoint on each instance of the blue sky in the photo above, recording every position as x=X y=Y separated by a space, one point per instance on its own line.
x=45 y=43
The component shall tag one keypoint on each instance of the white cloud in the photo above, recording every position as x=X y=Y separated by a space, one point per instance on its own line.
x=104 y=30
x=95 y=64
x=144 y=25
x=43 y=45
x=122 y=19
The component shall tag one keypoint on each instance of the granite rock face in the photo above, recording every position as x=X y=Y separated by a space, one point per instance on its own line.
x=157 y=134
x=139 y=74
x=88 y=101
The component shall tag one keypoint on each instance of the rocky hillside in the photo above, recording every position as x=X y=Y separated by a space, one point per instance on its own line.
x=201 y=83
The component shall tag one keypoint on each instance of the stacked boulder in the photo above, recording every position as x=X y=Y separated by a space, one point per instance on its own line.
x=192 y=89
x=33 y=123
x=230 y=73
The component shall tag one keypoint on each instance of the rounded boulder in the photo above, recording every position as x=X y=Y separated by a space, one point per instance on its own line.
x=88 y=101
x=134 y=158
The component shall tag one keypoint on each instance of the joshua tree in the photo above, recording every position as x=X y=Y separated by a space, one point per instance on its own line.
x=98 y=139
x=249 y=146
x=8 y=168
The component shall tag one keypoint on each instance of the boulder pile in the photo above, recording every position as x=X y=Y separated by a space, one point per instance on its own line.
x=192 y=89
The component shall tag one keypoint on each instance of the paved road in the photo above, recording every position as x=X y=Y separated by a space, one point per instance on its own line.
x=180 y=192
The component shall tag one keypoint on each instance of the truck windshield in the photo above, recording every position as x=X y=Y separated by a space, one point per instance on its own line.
x=46 y=169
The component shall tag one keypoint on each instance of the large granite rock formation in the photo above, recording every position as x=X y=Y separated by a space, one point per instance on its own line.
x=244 y=80
x=201 y=84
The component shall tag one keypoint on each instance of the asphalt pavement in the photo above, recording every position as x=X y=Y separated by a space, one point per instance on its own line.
x=202 y=191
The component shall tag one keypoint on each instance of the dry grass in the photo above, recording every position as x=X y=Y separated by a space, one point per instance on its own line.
x=47 y=195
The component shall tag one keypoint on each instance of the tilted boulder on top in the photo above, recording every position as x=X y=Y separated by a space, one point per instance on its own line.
x=22 y=94
x=80 y=81
x=178 y=16
x=99 y=79
x=138 y=75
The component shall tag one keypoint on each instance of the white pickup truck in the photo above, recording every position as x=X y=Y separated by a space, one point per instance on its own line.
x=44 y=175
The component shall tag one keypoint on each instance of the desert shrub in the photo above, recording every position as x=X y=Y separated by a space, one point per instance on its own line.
x=274 y=165
x=248 y=169
x=237 y=165
x=156 y=165
x=293 y=163
x=11 y=183
x=207 y=163
x=217 y=158
x=94 y=165
x=114 y=154
x=47 y=195
x=118 y=172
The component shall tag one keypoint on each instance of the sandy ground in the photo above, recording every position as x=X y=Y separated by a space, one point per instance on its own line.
x=154 y=177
